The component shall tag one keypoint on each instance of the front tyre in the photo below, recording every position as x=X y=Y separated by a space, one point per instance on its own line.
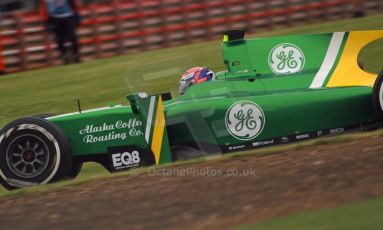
x=76 y=165
x=74 y=170
x=33 y=151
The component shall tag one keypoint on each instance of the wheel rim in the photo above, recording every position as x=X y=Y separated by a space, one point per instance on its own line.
x=27 y=156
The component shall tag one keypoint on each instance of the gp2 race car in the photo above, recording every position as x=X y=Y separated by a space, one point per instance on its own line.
x=275 y=90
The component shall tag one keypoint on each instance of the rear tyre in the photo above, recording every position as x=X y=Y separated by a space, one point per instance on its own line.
x=33 y=151
x=377 y=96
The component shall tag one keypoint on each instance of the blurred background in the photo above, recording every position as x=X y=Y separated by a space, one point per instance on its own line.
x=114 y=27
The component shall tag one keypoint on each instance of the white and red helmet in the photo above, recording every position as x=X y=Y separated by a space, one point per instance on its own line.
x=195 y=75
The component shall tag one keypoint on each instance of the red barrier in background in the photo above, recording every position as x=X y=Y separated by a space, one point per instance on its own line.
x=2 y=66
x=125 y=26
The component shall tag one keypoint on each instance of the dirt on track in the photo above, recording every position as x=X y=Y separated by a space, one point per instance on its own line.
x=288 y=182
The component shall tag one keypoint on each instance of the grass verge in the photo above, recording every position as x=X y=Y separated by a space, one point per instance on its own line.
x=361 y=215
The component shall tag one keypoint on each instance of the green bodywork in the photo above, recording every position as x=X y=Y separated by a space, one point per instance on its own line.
x=199 y=117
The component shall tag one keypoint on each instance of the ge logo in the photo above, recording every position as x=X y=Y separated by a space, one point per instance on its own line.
x=245 y=120
x=126 y=159
x=286 y=59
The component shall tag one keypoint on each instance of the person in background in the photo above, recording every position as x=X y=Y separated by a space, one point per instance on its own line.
x=62 y=18
x=358 y=8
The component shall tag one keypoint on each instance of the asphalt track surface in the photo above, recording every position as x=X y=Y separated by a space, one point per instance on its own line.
x=307 y=179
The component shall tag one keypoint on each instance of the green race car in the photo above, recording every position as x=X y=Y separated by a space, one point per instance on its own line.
x=275 y=90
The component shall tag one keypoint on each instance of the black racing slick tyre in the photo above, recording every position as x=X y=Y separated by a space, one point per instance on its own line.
x=43 y=115
x=377 y=96
x=74 y=170
x=76 y=165
x=33 y=151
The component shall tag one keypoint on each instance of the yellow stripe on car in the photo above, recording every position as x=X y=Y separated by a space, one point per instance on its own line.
x=348 y=72
x=158 y=133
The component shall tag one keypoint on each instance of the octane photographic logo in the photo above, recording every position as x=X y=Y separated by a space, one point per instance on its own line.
x=245 y=120
x=286 y=58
